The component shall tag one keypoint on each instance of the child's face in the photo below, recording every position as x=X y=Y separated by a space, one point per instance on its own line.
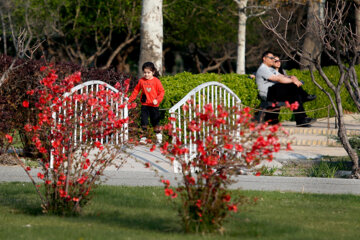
x=148 y=74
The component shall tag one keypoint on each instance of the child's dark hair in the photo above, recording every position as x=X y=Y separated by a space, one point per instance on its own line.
x=152 y=67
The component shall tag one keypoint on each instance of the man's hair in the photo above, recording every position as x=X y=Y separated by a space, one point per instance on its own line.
x=276 y=55
x=266 y=53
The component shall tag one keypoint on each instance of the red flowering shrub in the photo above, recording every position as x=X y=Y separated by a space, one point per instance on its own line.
x=76 y=135
x=226 y=141
x=25 y=76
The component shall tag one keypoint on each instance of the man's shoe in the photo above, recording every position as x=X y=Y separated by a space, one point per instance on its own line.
x=306 y=122
x=310 y=98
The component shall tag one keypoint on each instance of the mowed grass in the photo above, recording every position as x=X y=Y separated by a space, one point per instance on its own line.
x=144 y=213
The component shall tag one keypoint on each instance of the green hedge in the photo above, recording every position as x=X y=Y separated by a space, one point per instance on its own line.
x=322 y=100
x=177 y=86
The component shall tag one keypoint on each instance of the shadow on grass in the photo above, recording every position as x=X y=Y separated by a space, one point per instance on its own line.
x=142 y=208
x=149 y=221
x=21 y=198
x=133 y=208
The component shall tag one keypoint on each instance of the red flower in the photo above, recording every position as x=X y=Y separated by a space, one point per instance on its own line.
x=62 y=193
x=153 y=148
x=166 y=182
x=25 y=104
x=92 y=101
x=232 y=207
x=75 y=199
x=258 y=174
x=27 y=168
x=9 y=138
x=239 y=148
x=198 y=203
x=294 y=106
x=28 y=128
x=30 y=92
x=288 y=147
x=62 y=177
x=227 y=198
x=191 y=180
x=40 y=175
x=228 y=146
x=168 y=192
x=98 y=145
x=147 y=165
x=43 y=68
x=185 y=107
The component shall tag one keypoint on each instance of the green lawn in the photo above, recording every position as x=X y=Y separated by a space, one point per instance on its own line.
x=144 y=213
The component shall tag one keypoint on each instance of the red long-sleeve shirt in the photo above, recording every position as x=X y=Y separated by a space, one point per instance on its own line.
x=152 y=89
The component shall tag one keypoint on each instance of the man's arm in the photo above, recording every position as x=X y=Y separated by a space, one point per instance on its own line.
x=286 y=80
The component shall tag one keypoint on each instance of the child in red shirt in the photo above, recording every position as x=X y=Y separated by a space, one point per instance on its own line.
x=152 y=93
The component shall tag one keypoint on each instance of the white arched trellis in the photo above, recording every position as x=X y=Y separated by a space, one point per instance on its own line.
x=88 y=87
x=207 y=93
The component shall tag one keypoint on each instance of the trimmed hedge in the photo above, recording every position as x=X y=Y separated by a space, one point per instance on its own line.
x=322 y=100
x=177 y=86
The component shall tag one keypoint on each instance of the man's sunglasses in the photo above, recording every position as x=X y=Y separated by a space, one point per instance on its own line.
x=272 y=58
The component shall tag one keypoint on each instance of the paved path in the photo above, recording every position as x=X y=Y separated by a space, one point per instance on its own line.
x=133 y=173
x=147 y=178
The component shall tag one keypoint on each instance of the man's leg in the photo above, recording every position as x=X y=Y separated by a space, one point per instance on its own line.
x=291 y=93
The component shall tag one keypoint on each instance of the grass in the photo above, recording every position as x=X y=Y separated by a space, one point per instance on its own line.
x=326 y=167
x=143 y=213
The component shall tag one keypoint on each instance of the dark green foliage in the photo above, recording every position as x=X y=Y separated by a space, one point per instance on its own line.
x=322 y=100
x=176 y=87
x=355 y=143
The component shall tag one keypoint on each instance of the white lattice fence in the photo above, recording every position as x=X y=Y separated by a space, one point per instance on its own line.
x=213 y=93
x=92 y=87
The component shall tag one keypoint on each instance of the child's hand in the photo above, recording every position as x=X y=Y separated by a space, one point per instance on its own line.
x=155 y=102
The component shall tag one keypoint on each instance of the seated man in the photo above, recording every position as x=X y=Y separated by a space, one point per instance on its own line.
x=276 y=87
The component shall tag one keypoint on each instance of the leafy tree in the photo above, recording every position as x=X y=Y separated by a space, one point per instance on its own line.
x=80 y=31
x=210 y=41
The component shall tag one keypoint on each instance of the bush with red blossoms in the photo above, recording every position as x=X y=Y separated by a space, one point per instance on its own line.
x=226 y=142
x=81 y=140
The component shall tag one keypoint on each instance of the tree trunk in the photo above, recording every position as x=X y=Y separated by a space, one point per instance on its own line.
x=151 y=34
x=344 y=139
x=240 y=63
x=357 y=22
x=312 y=44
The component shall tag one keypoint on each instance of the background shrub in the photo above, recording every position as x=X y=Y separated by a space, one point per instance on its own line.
x=26 y=76
x=177 y=86
x=322 y=100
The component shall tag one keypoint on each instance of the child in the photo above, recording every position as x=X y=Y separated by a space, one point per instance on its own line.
x=152 y=93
